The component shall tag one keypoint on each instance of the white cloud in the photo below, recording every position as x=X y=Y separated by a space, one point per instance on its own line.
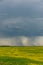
x=39 y=40
x=22 y=41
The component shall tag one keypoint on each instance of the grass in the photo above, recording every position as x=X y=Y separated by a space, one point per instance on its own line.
x=21 y=55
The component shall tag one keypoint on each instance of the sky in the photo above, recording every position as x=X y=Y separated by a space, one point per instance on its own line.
x=21 y=22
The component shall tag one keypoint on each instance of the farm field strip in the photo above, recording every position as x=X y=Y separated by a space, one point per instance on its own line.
x=32 y=55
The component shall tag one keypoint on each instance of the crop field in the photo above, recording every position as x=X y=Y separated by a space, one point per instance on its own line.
x=16 y=55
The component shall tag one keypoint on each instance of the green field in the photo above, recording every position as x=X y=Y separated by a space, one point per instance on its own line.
x=21 y=55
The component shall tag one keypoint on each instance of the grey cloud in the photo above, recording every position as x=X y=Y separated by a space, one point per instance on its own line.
x=26 y=8
x=21 y=22
x=21 y=26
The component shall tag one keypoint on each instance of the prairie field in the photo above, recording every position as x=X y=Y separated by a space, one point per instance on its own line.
x=18 y=55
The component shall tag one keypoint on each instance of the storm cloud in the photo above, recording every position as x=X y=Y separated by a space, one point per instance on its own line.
x=21 y=27
x=21 y=22
x=24 y=8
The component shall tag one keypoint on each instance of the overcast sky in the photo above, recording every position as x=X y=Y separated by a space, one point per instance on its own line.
x=21 y=22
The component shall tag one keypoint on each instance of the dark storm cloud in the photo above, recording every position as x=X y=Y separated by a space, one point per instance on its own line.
x=26 y=8
x=21 y=22
x=21 y=27
x=30 y=23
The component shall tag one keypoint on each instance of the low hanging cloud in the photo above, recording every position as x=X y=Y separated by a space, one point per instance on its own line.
x=22 y=41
